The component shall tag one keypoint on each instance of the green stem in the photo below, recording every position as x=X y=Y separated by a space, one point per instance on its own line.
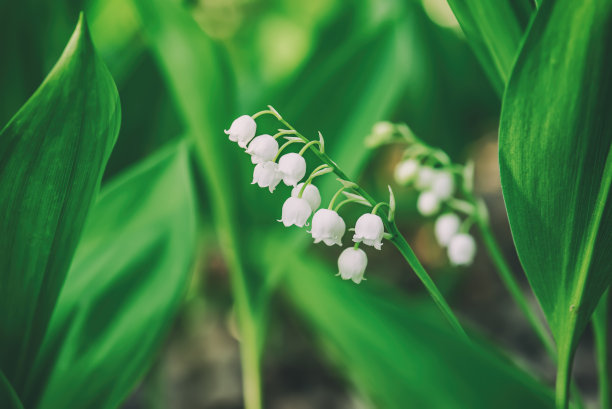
x=600 y=328
x=397 y=239
x=406 y=251
x=505 y=273
x=346 y=201
x=564 y=368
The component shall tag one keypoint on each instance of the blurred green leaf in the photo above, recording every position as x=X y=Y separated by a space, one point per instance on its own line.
x=8 y=396
x=556 y=162
x=402 y=354
x=52 y=154
x=494 y=30
x=129 y=275
x=198 y=77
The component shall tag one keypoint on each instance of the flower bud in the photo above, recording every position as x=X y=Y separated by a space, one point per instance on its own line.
x=293 y=168
x=446 y=227
x=382 y=132
x=328 y=226
x=425 y=177
x=311 y=194
x=352 y=264
x=428 y=203
x=266 y=174
x=406 y=171
x=443 y=184
x=369 y=229
x=295 y=211
x=242 y=130
x=262 y=149
x=461 y=249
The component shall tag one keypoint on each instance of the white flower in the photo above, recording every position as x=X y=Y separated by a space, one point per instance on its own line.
x=461 y=249
x=406 y=170
x=293 y=168
x=262 y=149
x=311 y=194
x=443 y=184
x=327 y=226
x=242 y=130
x=425 y=177
x=266 y=174
x=446 y=227
x=428 y=203
x=352 y=264
x=369 y=229
x=295 y=211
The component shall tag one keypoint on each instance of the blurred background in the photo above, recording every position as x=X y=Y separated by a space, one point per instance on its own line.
x=188 y=69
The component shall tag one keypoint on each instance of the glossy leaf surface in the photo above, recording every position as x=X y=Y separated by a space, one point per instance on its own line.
x=556 y=162
x=52 y=155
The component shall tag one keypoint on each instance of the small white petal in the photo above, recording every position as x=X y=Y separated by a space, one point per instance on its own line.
x=293 y=168
x=406 y=171
x=242 y=130
x=369 y=229
x=327 y=226
x=295 y=211
x=266 y=174
x=311 y=194
x=461 y=249
x=352 y=264
x=262 y=149
x=446 y=227
x=428 y=203
x=425 y=177
x=443 y=185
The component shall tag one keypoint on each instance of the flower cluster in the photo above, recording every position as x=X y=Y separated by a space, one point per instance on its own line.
x=439 y=182
x=327 y=225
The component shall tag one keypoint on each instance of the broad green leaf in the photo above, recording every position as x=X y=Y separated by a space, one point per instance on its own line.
x=556 y=162
x=494 y=30
x=128 y=277
x=52 y=154
x=402 y=354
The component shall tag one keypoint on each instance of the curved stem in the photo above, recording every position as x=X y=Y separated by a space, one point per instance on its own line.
x=342 y=203
x=378 y=206
x=282 y=148
x=505 y=273
x=404 y=248
x=397 y=239
x=308 y=145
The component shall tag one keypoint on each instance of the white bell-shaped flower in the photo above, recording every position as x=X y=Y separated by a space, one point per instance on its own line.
x=262 y=149
x=428 y=203
x=242 y=130
x=369 y=229
x=293 y=168
x=406 y=171
x=461 y=249
x=311 y=194
x=425 y=177
x=327 y=226
x=266 y=174
x=443 y=184
x=296 y=210
x=446 y=227
x=352 y=264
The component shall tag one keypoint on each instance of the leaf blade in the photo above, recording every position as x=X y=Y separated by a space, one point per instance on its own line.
x=556 y=163
x=49 y=175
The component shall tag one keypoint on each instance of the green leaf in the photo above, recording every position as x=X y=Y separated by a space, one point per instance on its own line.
x=398 y=352
x=494 y=29
x=8 y=396
x=556 y=162
x=52 y=155
x=129 y=275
